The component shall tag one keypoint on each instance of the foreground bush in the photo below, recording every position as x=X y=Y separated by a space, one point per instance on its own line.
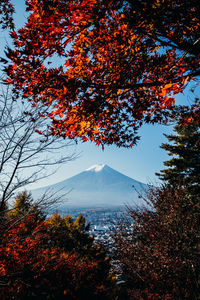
x=159 y=248
x=32 y=268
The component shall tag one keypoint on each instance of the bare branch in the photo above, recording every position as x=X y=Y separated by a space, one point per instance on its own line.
x=25 y=155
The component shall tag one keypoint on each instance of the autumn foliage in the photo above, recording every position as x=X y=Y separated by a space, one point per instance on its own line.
x=43 y=260
x=30 y=269
x=101 y=69
x=6 y=11
x=160 y=256
x=119 y=64
x=159 y=246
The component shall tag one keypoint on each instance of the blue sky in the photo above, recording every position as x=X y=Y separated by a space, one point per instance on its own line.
x=141 y=162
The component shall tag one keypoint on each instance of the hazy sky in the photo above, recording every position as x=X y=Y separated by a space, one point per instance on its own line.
x=141 y=162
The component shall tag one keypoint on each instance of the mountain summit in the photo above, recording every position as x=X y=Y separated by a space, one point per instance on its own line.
x=98 y=186
x=96 y=168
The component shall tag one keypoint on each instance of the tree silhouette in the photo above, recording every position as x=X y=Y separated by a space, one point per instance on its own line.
x=184 y=166
x=25 y=155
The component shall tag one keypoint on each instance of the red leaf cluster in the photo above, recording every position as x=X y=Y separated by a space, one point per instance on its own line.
x=31 y=267
x=121 y=64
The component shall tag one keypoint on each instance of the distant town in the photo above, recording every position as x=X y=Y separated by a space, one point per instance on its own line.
x=103 y=222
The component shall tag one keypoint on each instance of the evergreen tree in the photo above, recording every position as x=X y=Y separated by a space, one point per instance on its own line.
x=183 y=168
x=23 y=206
x=73 y=236
x=159 y=254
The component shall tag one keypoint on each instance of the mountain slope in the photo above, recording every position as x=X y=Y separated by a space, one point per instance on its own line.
x=98 y=186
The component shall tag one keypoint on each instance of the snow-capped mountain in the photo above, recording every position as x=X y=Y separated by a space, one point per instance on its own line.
x=97 y=186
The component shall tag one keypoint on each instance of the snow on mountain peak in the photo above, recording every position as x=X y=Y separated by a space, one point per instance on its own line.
x=96 y=168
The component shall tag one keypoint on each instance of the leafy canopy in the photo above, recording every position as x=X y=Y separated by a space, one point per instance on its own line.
x=121 y=64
